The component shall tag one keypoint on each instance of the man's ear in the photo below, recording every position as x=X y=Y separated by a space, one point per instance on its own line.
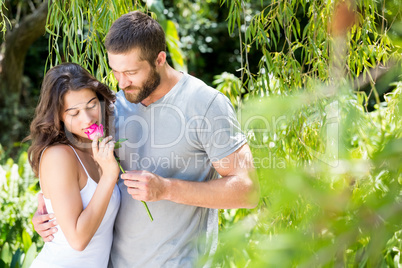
x=161 y=59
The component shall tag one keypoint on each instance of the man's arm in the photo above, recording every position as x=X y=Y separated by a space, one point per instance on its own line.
x=237 y=188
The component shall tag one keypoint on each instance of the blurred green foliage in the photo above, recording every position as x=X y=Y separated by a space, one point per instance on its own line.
x=317 y=210
x=330 y=171
x=3 y=19
x=18 y=188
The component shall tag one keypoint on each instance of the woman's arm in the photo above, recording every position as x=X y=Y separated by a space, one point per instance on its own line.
x=59 y=179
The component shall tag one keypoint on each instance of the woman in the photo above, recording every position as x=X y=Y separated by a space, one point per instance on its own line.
x=77 y=176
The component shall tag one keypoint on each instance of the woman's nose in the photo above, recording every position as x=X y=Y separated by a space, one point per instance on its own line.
x=87 y=117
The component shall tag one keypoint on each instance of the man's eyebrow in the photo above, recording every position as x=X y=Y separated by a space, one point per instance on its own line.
x=127 y=71
x=73 y=108
x=132 y=70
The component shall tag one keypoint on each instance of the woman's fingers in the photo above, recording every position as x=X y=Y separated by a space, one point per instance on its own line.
x=95 y=149
x=111 y=146
x=103 y=149
x=103 y=143
x=99 y=147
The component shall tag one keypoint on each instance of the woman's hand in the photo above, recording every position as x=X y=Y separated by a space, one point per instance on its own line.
x=103 y=155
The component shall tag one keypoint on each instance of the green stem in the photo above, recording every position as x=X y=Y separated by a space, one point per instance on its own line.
x=145 y=204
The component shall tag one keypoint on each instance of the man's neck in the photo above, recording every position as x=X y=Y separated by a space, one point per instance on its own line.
x=169 y=78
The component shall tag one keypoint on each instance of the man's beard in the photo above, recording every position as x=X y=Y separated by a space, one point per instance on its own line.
x=147 y=88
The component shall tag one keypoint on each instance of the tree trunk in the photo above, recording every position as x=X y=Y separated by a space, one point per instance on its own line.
x=17 y=42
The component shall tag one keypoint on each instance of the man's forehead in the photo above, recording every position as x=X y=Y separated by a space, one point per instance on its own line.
x=124 y=60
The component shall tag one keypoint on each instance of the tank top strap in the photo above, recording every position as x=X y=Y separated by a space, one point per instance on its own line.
x=79 y=159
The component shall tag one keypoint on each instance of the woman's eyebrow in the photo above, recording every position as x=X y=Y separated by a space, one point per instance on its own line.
x=73 y=108
x=91 y=100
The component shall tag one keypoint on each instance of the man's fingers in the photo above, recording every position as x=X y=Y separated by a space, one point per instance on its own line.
x=134 y=191
x=138 y=194
x=47 y=227
x=128 y=176
x=136 y=172
x=39 y=219
x=41 y=204
x=48 y=238
x=135 y=175
x=48 y=232
x=133 y=183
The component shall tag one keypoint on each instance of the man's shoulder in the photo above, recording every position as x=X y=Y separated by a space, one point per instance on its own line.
x=198 y=87
x=196 y=90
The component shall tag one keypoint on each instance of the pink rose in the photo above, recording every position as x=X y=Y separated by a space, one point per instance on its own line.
x=93 y=130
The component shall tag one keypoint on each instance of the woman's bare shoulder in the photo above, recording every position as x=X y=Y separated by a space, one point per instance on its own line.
x=58 y=169
x=59 y=156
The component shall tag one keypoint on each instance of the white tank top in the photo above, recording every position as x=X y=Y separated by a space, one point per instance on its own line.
x=59 y=253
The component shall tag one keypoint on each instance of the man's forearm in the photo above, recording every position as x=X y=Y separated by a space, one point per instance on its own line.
x=223 y=193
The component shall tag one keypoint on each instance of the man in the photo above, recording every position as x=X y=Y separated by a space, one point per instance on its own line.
x=181 y=135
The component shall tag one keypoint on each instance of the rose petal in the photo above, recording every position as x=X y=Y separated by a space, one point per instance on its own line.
x=93 y=130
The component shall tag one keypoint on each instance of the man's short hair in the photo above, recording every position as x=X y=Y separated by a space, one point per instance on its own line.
x=136 y=30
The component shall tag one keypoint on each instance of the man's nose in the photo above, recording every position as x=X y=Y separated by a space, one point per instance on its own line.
x=123 y=81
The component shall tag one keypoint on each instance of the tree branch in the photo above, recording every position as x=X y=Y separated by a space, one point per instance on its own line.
x=17 y=43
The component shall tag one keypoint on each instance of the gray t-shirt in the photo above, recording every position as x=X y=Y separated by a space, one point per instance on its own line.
x=177 y=136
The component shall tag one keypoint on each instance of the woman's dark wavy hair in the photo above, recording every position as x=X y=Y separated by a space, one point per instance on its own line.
x=47 y=128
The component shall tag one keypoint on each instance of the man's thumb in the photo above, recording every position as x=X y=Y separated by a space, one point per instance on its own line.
x=41 y=204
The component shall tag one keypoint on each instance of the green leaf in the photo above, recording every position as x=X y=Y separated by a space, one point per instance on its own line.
x=26 y=240
x=297 y=26
x=278 y=31
x=6 y=254
x=173 y=41
x=16 y=260
x=118 y=143
x=29 y=256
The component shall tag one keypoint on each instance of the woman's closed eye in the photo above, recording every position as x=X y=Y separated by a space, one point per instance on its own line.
x=74 y=112
x=92 y=105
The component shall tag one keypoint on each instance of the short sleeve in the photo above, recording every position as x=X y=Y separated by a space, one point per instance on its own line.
x=220 y=133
